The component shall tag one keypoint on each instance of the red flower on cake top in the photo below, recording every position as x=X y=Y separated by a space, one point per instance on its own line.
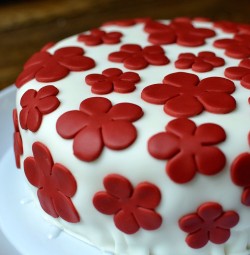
x=232 y=27
x=98 y=124
x=35 y=104
x=240 y=175
x=241 y=72
x=134 y=57
x=184 y=95
x=237 y=47
x=112 y=79
x=46 y=67
x=205 y=61
x=98 y=36
x=18 y=143
x=208 y=223
x=189 y=149
x=133 y=208
x=180 y=31
x=55 y=183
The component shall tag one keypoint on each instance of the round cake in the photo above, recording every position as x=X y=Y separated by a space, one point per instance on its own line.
x=134 y=136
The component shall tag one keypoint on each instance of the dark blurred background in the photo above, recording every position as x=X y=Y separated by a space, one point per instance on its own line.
x=25 y=26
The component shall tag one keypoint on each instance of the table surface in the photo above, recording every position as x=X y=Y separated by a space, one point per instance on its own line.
x=25 y=26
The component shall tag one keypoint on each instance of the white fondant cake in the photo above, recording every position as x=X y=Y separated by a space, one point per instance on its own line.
x=133 y=146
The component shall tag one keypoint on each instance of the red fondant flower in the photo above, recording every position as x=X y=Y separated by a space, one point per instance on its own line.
x=184 y=95
x=204 y=62
x=134 y=57
x=208 y=223
x=189 y=149
x=17 y=139
x=241 y=72
x=240 y=174
x=55 y=183
x=45 y=67
x=232 y=27
x=133 y=208
x=180 y=31
x=238 y=47
x=112 y=79
x=35 y=104
x=98 y=124
x=98 y=36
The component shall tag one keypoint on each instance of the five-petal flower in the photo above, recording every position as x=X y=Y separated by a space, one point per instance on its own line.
x=134 y=57
x=184 y=95
x=189 y=149
x=98 y=124
x=133 y=208
x=35 y=104
x=205 y=61
x=208 y=223
x=112 y=79
x=241 y=72
x=98 y=36
x=240 y=175
x=46 y=67
x=56 y=185
x=17 y=139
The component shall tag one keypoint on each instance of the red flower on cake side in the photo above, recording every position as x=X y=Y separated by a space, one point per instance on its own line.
x=189 y=149
x=46 y=67
x=98 y=124
x=133 y=208
x=134 y=57
x=180 y=31
x=56 y=185
x=98 y=36
x=112 y=79
x=17 y=139
x=208 y=223
x=240 y=175
x=35 y=104
x=205 y=61
x=237 y=47
x=241 y=72
x=184 y=95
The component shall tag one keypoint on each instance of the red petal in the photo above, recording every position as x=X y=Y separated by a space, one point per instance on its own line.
x=51 y=72
x=112 y=72
x=124 y=86
x=197 y=239
x=70 y=123
x=217 y=102
x=32 y=172
x=118 y=56
x=91 y=79
x=190 y=40
x=102 y=87
x=163 y=145
x=167 y=37
x=38 y=59
x=217 y=84
x=147 y=219
x=190 y=223
x=65 y=208
x=126 y=222
x=181 y=79
x=215 y=61
x=245 y=82
x=28 y=97
x=126 y=111
x=78 y=63
x=223 y=43
x=210 y=160
x=245 y=197
x=47 y=91
x=202 y=66
x=63 y=180
x=210 y=133
x=89 y=40
x=156 y=59
x=18 y=148
x=48 y=104
x=118 y=135
x=146 y=195
x=210 y=211
x=181 y=168
x=23 y=118
x=112 y=37
x=184 y=63
x=118 y=186
x=34 y=119
x=155 y=49
x=105 y=203
x=228 y=220
x=130 y=76
x=66 y=52
x=218 y=235
x=181 y=127
x=131 y=48
x=135 y=63
x=47 y=203
x=95 y=105
x=183 y=106
x=88 y=144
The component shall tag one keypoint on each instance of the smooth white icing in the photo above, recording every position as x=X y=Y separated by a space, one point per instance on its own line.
x=136 y=164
